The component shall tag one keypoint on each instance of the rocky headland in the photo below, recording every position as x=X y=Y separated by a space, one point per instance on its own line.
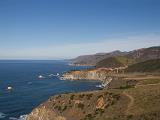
x=132 y=97
x=92 y=74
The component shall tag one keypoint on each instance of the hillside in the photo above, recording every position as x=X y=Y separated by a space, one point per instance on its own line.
x=131 y=95
x=91 y=60
x=112 y=62
x=145 y=54
x=139 y=101
x=146 y=66
x=138 y=55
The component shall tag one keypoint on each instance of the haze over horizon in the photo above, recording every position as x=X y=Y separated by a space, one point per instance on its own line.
x=57 y=29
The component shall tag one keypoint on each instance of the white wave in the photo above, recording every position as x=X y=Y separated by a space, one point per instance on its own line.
x=22 y=117
x=2 y=115
x=99 y=86
x=41 y=77
x=54 y=75
x=13 y=118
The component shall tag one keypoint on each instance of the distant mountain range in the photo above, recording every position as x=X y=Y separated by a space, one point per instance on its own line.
x=118 y=58
x=91 y=60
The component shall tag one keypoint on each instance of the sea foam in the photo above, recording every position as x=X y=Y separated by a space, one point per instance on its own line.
x=2 y=115
x=22 y=117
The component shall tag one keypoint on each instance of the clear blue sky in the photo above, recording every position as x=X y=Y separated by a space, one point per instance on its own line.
x=53 y=29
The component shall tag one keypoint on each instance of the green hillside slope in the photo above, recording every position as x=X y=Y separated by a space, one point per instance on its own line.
x=109 y=62
x=147 y=66
x=118 y=61
x=138 y=55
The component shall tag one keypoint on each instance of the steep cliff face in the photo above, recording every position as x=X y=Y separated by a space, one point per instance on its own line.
x=44 y=113
x=85 y=74
x=92 y=74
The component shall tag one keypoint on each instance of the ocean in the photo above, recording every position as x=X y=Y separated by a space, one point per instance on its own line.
x=28 y=90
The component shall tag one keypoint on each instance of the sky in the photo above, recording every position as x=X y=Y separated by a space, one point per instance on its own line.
x=60 y=29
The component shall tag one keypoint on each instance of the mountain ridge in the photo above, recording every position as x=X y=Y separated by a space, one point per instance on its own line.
x=138 y=55
x=91 y=60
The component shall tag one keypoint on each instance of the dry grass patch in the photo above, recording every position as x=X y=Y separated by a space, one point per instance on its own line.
x=146 y=99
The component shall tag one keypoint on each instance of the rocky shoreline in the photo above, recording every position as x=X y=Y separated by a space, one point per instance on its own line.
x=77 y=64
x=126 y=95
x=68 y=106
x=48 y=110
x=112 y=103
x=92 y=74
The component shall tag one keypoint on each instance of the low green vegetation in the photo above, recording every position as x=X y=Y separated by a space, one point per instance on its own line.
x=146 y=66
x=81 y=95
x=89 y=117
x=118 y=61
x=150 y=81
x=64 y=108
x=126 y=87
x=125 y=60
x=72 y=97
x=109 y=62
x=81 y=106
x=89 y=96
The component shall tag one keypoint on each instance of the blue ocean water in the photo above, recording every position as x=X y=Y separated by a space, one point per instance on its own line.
x=28 y=91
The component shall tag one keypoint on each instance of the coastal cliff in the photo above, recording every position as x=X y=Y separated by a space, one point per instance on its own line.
x=92 y=74
x=123 y=103
x=129 y=95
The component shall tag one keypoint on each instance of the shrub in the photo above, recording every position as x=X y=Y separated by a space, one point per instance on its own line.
x=126 y=87
x=116 y=96
x=80 y=105
x=89 y=96
x=59 y=108
x=106 y=93
x=100 y=96
x=55 y=107
x=129 y=117
x=65 y=107
x=88 y=117
x=81 y=96
x=72 y=97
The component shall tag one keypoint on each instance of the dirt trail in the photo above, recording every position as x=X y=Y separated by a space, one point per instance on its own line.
x=146 y=85
x=130 y=103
